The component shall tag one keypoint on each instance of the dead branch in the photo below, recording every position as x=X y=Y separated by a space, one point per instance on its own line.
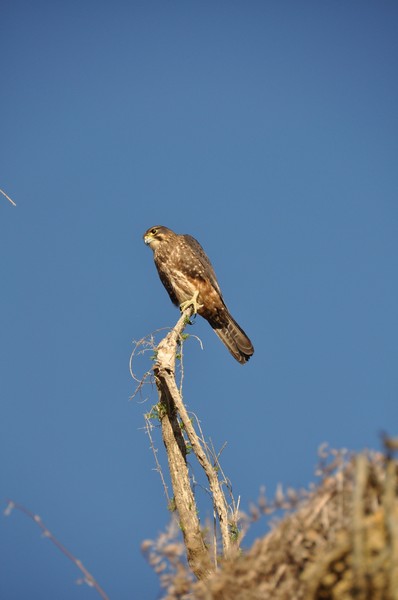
x=87 y=577
x=8 y=197
x=211 y=474
x=197 y=554
x=180 y=436
x=173 y=411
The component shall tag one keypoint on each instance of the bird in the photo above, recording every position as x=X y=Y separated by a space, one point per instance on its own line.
x=189 y=278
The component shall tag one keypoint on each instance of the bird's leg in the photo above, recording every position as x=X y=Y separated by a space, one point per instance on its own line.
x=192 y=302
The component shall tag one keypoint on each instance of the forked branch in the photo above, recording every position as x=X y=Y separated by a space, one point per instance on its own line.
x=173 y=410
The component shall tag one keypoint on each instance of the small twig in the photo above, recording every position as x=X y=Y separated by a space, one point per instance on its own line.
x=182 y=339
x=149 y=427
x=8 y=197
x=146 y=344
x=88 y=578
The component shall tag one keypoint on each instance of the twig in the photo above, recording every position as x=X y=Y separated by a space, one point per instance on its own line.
x=88 y=578
x=149 y=427
x=8 y=197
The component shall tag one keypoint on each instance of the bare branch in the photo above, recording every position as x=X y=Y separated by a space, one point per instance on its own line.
x=170 y=398
x=8 y=197
x=197 y=553
x=87 y=577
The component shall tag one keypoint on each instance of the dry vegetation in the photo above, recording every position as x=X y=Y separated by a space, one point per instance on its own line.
x=337 y=541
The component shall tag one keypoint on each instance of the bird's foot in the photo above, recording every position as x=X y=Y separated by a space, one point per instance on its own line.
x=192 y=302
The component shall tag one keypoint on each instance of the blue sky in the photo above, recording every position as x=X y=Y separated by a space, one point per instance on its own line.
x=268 y=131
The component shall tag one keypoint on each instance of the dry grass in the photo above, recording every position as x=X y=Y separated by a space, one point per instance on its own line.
x=337 y=541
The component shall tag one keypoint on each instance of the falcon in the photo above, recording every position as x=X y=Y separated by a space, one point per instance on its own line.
x=190 y=280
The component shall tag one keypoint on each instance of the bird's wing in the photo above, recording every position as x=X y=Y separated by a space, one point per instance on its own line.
x=203 y=258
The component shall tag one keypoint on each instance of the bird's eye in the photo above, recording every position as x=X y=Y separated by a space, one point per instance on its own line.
x=154 y=231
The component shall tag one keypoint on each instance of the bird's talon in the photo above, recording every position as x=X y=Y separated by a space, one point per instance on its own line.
x=192 y=302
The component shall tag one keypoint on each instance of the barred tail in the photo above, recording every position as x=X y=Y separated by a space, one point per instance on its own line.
x=234 y=338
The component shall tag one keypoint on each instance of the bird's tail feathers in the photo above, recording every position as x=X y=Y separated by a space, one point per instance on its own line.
x=234 y=338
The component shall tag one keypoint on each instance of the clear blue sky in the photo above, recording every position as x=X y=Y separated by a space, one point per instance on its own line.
x=267 y=130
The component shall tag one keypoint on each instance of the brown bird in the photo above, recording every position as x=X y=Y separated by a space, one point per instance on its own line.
x=189 y=278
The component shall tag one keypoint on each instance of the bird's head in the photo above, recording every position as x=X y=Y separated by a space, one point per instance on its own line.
x=156 y=235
